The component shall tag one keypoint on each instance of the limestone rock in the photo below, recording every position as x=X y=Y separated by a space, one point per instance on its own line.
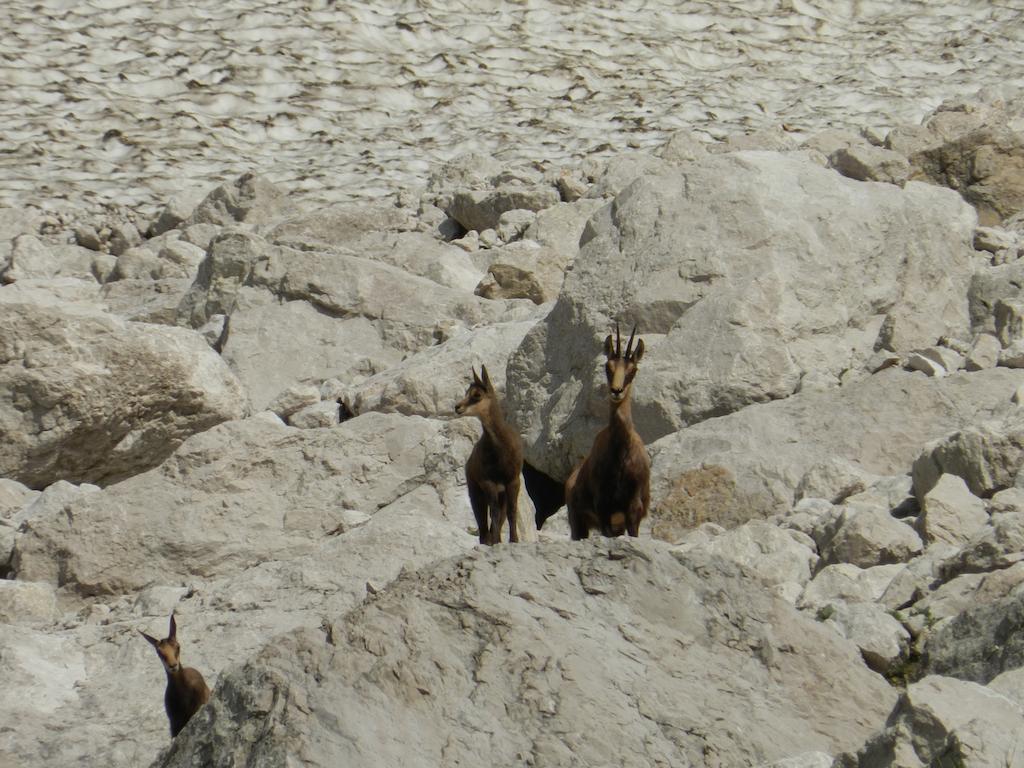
x=971 y=147
x=523 y=270
x=978 y=643
x=776 y=556
x=339 y=225
x=878 y=424
x=249 y=201
x=940 y=721
x=86 y=396
x=984 y=353
x=866 y=535
x=318 y=415
x=27 y=603
x=847 y=583
x=643 y=260
x=430 y=382
x=272 y=345
x=950 y=512
x=482 y=209
x=999 y=544
x=882 y=640
x=237 y=495
x=867 y=163
x=446 y=652
x=988 y=456
x=294 y=399
x=969 y=590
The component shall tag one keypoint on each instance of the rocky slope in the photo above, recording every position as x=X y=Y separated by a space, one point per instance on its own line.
x=242 y=412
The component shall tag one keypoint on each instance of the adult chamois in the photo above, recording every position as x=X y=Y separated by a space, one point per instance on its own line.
x=186 y=690
x=495 y=464
x=610 y=489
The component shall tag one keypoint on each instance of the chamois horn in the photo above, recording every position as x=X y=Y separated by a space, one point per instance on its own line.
x=629 y=345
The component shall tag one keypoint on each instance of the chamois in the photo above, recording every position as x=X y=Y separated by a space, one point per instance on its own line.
x=186 y=690
x=610 y=489
x=494 y=466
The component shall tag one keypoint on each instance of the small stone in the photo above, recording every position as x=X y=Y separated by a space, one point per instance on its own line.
x=984 y=354
x=1013 y=355
x=322 y=414
x=949 y=359
x=919 y=362
x=87 y=237
x=871 y=164
x=993 y=239
x=294 y=399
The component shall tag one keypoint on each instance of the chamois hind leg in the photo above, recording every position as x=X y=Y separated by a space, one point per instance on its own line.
x=636 y=514
x=478 y=501
x=512 y=510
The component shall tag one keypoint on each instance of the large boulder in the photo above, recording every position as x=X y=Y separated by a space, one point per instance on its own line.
x=88 y=396
x=694 y=667
x=758 y=457
x=744 y=273
x=988 y=456
x=974 y=147
x=939 y=722
x=239 y=494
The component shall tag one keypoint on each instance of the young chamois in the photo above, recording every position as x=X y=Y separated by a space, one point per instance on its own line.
x=610 y=490
x=494 y=466
x=186 y=690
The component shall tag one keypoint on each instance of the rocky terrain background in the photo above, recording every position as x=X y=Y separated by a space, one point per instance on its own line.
x=238 y=406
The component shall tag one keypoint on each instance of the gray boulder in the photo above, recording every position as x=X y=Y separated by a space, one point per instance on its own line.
x=733 y=248
x=763 y=452
x=866 y=535
x=476 y=672
x=482 y=209
x=978 y=643
x=987 y=455
x=939 y=721
x=868 y=163
x=974 y=148
x=241 y=493
x=429 y=383
x=950 y=512
x=250 y=201
x=87 y=396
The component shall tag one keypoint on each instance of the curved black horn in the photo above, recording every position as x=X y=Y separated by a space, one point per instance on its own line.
x=629 y=344
x=618 y=341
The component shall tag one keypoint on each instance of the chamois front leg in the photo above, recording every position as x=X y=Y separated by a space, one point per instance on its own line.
x=496 y=501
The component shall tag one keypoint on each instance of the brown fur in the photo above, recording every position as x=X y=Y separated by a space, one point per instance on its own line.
x=610 y=489
x=186 y=690
x=494 y=467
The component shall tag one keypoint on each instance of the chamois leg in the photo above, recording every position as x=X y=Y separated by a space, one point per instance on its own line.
x=497 y=505
x=636 y=513
x=512 y=510
x=478 y=501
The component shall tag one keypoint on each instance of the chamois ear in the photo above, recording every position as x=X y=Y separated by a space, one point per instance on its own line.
x=639 y=352
x=152 y=640
x=609 y=347
x=173 y=630
x=476 y=379
x=485 y=379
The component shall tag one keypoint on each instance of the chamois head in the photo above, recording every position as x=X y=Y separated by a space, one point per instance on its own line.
x=167 y=649
x=478 y=395
x=621 y=366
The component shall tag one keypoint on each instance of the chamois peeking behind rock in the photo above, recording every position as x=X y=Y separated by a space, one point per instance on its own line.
x=186 y=690
x=610 y=489
x=494 y=466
